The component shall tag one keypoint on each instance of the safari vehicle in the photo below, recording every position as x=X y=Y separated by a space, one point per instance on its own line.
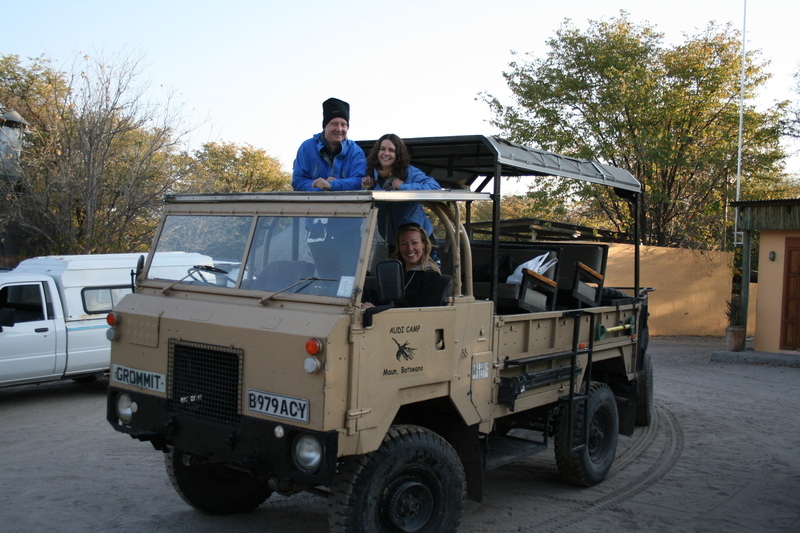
x=260 y=372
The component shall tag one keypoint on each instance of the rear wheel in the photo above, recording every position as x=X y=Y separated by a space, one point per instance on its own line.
x=644 y=393
x=589 y=464
x=214 y=489
x=413 y=483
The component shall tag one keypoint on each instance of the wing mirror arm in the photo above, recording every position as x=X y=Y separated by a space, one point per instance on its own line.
x=372 y=311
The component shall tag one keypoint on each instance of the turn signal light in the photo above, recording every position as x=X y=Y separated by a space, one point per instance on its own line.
x=313 y=346
x=112 y=319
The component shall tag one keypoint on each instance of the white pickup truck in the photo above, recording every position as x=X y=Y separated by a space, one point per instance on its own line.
x=53 y=313
x=53 y=316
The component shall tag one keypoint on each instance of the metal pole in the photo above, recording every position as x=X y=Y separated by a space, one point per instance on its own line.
x=496 y=231
x=744 y=299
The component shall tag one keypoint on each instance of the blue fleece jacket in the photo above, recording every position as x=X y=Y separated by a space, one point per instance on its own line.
x=348 y=166
x=393 y=215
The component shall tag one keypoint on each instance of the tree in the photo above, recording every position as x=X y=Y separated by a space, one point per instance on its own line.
x=222 y=167
x=97 y=161
x=792 y=119
x=669 y=115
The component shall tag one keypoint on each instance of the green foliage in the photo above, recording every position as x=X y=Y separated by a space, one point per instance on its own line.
x=99 y=157
x=733 y=311
x=791 y=119
x=669 y=115
x=96 y=162
x=227 y=167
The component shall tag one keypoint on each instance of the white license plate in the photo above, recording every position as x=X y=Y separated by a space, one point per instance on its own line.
x=139 y=378
x=277 y=405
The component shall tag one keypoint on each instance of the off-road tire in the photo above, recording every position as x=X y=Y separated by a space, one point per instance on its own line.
x=588 y=465
x=215 y=489
x=413 y=482
x=644 y=393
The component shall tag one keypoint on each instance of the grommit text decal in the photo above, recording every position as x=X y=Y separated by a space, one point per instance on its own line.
x=139 y=378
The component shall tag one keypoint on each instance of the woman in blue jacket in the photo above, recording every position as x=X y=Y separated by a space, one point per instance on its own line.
x=388 y=167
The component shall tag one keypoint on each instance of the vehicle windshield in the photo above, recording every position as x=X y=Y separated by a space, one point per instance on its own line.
x=288 y=254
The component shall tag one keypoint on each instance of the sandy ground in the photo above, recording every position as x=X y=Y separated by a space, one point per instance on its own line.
x=722 y=455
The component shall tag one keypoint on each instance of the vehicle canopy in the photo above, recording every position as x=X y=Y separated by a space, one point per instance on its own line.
x=459 y=162
x=472 y=161
x=89 y=285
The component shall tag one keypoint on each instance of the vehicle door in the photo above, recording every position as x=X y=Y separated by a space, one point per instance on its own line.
x=28 y=348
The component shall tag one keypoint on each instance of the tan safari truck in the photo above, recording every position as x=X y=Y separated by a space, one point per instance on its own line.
x=259 y=372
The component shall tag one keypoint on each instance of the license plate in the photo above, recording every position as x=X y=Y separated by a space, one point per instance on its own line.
x=139 y=378
x=277 y=405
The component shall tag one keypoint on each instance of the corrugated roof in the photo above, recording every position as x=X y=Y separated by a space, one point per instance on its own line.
x=769 y=214
x=459 y=161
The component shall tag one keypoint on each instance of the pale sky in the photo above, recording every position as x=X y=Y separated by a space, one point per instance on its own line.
x=256 y=72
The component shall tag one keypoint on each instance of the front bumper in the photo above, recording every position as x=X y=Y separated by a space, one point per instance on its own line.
x=249 y=443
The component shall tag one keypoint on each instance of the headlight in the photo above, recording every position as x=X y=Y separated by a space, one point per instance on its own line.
x=307 y=452
x=312 y=365
x=125 y=407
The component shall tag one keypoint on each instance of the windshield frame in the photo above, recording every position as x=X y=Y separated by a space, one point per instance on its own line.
x=254 y=210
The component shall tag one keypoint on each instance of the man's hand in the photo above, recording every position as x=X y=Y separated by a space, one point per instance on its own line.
x=322 y=183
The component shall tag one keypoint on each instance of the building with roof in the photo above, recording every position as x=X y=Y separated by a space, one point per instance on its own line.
x=777 y=223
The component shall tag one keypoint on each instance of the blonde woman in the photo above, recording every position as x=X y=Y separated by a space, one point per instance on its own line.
x=423 y=281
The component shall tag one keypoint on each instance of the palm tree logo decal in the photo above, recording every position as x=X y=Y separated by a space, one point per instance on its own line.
x=404 y=350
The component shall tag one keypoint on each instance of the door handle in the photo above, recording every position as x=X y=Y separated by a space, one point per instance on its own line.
x=42 y=330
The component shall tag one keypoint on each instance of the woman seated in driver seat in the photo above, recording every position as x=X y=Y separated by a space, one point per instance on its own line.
x=422 y=279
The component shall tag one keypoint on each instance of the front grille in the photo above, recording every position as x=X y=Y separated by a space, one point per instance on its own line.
x=204 y=382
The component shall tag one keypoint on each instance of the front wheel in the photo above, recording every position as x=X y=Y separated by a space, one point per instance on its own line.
x=212 y=488
x=413 y=483
x=586 y=463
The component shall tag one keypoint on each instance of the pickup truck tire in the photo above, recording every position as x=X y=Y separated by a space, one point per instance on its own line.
x=215 y=489
x=90 y=378
x=644 y=393
x=413 y=482
x=588 y=465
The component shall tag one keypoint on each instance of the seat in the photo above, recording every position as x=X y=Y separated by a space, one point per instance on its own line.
x=281 y=274
x=537 y=292
x=447 y=288
x=587 y=286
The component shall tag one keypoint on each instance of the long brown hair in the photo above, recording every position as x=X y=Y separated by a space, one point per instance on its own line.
x=426 y=262
x=403 y=158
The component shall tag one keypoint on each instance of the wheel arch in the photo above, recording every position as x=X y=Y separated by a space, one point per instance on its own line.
x=441 y=416
x=613 y=373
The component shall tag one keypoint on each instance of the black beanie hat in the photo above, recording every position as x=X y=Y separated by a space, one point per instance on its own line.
x=334 y=108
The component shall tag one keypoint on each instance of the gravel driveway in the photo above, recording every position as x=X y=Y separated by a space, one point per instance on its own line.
x=722 y=455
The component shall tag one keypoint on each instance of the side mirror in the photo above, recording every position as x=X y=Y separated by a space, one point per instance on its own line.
x=135 y=274
x=7 y=318
x=389 y=277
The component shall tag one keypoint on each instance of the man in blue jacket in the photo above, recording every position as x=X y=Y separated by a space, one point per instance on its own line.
x=329 y=161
